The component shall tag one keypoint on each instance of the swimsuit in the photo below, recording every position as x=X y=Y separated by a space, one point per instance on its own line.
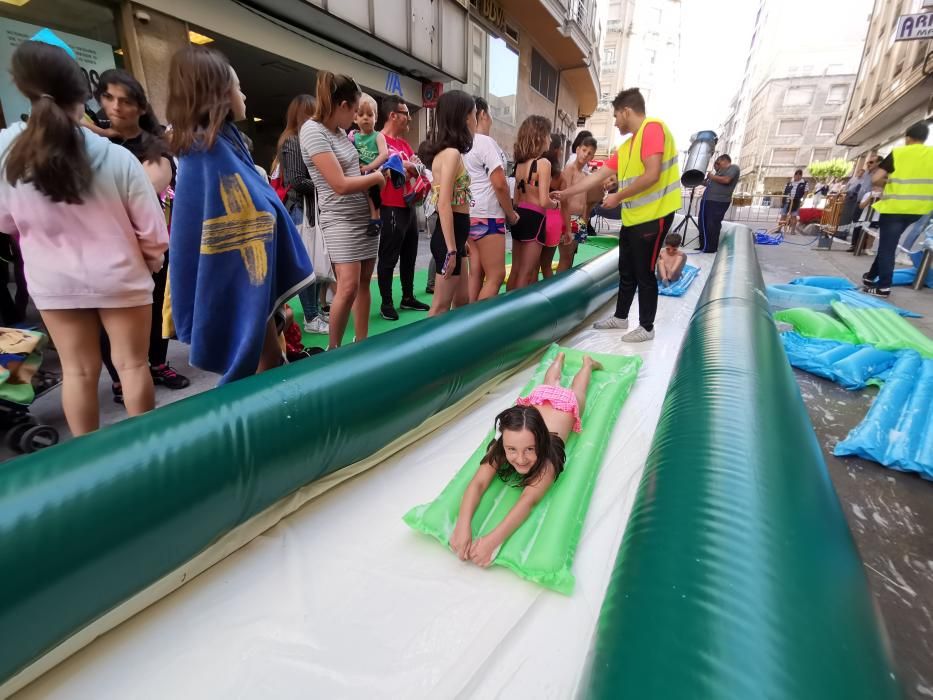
x=482 y=227
x=559 y=397
x=461 y=195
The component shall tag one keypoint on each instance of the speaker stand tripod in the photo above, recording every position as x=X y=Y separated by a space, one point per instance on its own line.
x=687 y=220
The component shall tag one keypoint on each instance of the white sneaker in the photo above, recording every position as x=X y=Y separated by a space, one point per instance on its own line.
x=611 y=323
x=639 y=335
x=317 y=325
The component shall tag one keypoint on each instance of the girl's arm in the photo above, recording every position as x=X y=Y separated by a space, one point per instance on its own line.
x=462 y=537
x=591 y=182
x=330 y=169
x=383 y=154
x=544 y=183
x=445 y=211
x=483 y=550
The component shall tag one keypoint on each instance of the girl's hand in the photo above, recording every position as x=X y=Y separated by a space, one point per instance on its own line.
x=566 y=238
x=461 y=541
x=512 y=218
x=449 y=264
x=483 y=551
x=558 y=196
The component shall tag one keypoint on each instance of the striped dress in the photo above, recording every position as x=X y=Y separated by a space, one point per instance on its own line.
x=343 y=218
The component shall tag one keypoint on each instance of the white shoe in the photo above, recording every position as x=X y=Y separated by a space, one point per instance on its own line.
x=317 y=325
x=639 y=335
x=611 y=323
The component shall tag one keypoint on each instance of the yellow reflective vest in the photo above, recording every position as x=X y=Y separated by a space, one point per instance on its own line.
x=663 y=197
x=909 y=189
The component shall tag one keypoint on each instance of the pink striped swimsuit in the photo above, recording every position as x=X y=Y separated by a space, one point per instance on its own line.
x=560 y=398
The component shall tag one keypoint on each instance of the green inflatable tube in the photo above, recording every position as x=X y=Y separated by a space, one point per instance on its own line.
x=87 y=525
x=737 y=576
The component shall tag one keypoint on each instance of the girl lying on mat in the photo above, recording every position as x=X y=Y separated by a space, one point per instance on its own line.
x=528 y=453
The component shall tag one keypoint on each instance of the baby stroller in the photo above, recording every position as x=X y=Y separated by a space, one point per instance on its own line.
x=20 y=384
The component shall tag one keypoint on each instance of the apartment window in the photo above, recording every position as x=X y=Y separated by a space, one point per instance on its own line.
x=609 y=56
x=837 y=94
x=798 y=96
x=828 y=126
x=819 y=154
x=784 y=156
x=503 y=80
x=543 y=76
x=790 y=127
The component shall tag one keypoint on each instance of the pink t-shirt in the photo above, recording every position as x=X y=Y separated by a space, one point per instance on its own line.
x=392 y=196
x=95 y=255
x=652 y=142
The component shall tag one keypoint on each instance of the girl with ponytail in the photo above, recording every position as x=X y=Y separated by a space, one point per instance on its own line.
x=91 y=231
x=334 y=165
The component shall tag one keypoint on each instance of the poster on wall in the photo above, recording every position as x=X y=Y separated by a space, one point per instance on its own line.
x=94 y=57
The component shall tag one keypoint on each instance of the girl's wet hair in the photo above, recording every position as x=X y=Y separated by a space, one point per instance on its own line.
x=549 y=448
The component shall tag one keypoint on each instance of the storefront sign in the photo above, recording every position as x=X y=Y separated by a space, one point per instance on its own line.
x=912 y=27
x=393 y=84
x=94 y=57
x=492 y=11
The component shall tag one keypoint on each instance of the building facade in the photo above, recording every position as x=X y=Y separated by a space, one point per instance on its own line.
x=894 y=86
x=276 y=46
x=533 y=57
x=641 y=48
x=795 y=123
x=795 y=44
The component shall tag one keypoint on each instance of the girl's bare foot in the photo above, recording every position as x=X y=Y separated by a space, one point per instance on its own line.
x=593 y=364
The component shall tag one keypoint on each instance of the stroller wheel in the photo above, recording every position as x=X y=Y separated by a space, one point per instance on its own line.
x=38 y=437
x=15 y=434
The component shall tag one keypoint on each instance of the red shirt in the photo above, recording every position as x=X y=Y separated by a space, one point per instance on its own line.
x=652 y=142
x=392 y=196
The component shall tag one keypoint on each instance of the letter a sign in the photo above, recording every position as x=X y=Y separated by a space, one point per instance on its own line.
x=393 y=84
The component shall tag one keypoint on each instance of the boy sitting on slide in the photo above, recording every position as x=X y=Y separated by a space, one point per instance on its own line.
x=528 y=453
x=671 y=261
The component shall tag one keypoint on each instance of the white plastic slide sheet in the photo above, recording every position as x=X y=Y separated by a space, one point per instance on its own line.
x=343 y=600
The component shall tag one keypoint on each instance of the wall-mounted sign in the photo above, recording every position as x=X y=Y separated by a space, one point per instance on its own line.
x=393 y=84
x=430 y=92
x=493 y=12
x=912 y=27
x=94 y=57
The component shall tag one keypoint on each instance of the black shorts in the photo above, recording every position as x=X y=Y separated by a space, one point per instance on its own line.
x=439 y=245
x=529 y=227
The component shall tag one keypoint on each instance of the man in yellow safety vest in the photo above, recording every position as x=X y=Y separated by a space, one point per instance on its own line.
x=907 y=176
x=649 y=191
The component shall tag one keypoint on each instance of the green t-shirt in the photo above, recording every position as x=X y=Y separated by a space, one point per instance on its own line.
x=366 y=146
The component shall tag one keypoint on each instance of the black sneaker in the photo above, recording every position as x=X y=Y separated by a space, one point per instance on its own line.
x=169 y=378
x=413 y=304
x=868 y=280
x=388 y=312
x=117 y=389
x=877 y=291
x=429 y=290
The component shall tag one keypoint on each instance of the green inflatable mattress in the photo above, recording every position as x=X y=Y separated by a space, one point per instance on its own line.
x=543 y=547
